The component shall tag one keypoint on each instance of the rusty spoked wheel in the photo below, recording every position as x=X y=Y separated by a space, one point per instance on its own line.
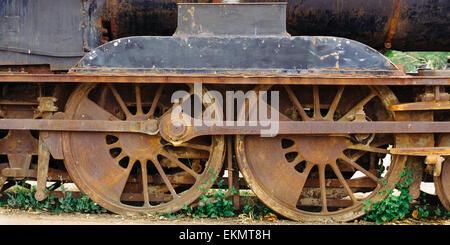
x=131 y=172
x=317 y=177
x=442 y=182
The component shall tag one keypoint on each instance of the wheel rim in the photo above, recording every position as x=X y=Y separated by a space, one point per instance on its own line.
x=442 y=182
x=292 y=177
x=112 y=167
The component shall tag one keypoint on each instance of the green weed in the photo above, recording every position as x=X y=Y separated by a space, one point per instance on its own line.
x=254 y=208
x=397 y=207
x=393 y=207
x=414 y=60
x=23 y=198
x=212 y=203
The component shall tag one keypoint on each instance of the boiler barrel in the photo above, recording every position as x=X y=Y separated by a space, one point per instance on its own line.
x=407 y=25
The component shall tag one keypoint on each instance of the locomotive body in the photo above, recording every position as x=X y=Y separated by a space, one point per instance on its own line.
x=58 y=34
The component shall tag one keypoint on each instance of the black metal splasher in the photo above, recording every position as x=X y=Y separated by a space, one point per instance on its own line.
x=224 y=38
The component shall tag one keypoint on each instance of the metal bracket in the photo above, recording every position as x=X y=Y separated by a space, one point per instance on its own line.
x=42 y=171
x=435 y=161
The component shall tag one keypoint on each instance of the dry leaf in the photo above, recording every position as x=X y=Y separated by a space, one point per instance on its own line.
x=270 y=217
x=415 y=213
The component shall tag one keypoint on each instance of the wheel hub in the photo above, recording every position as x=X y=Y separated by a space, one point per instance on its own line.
x=321 y=149
x=140 y=146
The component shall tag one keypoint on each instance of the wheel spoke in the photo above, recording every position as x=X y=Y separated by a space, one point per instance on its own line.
x=335 y=103
x=179 y=163
x=349 y=115
x=180 y=102
x=323 y=191
x=158 y=93
x=368 y=148
x=297 y=103
x=91 y=110
x=114 y=145
x=163 y=175
x=122 y=180
x=359 y=154
x=298 y=159
x=273 y=111
x=343 y=182
x=292 y=194
x=145 y=183
x=103 y=96
x=317 y=114
x=302 y=183
x=358 y=167
x=137 y=90
x=119 y=100
x=121 y=155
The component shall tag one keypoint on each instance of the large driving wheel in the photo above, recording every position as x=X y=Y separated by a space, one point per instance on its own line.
x=132 y=172
x=322 y=177
x=442 y=182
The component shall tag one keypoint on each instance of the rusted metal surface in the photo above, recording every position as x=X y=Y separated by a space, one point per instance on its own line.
x=407 y=25
x=52 y=140
x=414 y=164
x=442 y=182
x=42 y=171
x=430 y=100
x=121 y=157
x=19 y=173
x=338 y=118
x=233 y=175
x=253 y=55
x=84 y=25
x=150 y=127
x=227 y=20
x=260 y=45
x=303 y=127
x=278 y=177
x=424 y=151
x=51 y=32
x=422 y=106
x=334 y=79
x=427 y=72
x=147 y=127
x=19 y=146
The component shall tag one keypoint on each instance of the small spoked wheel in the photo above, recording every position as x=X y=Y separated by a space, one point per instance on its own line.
x=134 y=172
x=322 y=177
